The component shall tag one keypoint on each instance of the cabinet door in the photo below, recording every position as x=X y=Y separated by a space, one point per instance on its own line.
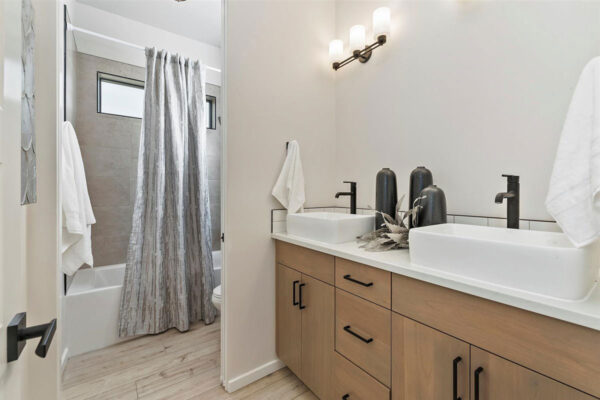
x=494 y=378
x=289 y=322
x=427 y=364
x=317 y=336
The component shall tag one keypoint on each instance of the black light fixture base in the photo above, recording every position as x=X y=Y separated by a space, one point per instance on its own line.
x=364 y=57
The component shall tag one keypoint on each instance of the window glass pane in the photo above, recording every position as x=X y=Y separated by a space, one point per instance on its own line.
x=121 y=99
x=211 y=112
x=207 y=114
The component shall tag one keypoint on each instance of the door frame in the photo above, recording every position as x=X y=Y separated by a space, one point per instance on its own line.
x=225 y=378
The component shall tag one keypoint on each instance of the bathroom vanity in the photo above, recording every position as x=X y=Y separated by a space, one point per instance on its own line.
x=357 y=325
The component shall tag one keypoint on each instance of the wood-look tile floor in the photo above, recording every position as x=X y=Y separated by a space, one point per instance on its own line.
x=173 y=366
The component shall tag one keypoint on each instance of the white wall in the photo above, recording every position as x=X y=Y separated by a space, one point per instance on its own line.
x=469 y=89
x=279 y=87
x=128 y=30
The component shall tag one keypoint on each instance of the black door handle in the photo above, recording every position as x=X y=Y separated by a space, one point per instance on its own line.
x=17 y=335
x=478 y=372
x=349 y=330
x=346 y=396
x=349 y=278
x=301 y=306
x=455 y=378
x=294 y=302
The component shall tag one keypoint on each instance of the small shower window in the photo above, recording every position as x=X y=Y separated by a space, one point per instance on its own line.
x=118 y=95
x=211 y=112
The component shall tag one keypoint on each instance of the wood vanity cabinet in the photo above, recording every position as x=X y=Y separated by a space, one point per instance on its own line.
x=494 y=378
x=427 y=364
x=305 y=318
x=289 y=318
x=317 y=336
x=360 y=333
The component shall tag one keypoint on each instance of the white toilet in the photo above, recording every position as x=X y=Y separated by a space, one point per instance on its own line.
x=216 y=298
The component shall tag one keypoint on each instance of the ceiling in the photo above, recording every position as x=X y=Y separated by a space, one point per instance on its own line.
x=196 y=19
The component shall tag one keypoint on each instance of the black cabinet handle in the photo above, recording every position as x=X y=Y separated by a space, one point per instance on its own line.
x=478 y=372
x=301 y=306
x=294 y=302
x=349 y=278
x=349 y=330
x=455 y=378
x=346 y=396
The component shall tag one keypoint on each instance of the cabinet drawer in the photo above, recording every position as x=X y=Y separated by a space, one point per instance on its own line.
x=367 y=282
x=309 y=262
x=363 y=333
x=351 y=380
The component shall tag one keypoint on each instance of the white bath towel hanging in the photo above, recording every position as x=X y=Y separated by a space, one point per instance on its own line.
x=573 y=197
x=78 y=216
x=289 y=188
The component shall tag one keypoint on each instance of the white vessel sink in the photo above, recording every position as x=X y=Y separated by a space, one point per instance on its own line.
x=329 y=227
x=544 y=263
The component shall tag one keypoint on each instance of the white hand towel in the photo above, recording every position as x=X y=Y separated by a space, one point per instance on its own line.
x=289 y=189
x=78 y=216
x=573 y=198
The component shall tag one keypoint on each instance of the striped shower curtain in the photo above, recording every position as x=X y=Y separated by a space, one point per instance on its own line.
x=169 y=274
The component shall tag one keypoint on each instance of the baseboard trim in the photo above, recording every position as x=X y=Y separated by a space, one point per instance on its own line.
x=252 y=376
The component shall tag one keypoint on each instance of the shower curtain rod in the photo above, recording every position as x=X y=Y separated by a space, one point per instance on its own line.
x=74 y=28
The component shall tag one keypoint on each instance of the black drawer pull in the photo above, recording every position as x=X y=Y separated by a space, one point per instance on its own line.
x=349 y=278
x=300 y=305
x=346 y=396
x=294 y=302
x=455 y=378
x=478 y=372
x=347 y=329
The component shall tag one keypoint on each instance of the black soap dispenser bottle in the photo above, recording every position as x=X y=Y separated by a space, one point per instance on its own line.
x=420 y=178
x=433 y=201
x=386 y=195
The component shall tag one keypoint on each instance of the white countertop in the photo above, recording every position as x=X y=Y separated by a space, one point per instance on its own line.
x=584 y=312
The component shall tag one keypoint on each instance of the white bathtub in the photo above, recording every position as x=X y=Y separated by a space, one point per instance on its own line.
x=91 y=307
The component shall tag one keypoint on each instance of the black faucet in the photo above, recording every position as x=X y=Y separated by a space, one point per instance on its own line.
x=512 y=202
x=352 y=194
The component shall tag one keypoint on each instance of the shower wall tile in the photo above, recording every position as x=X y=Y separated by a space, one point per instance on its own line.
x=109 y=250
x=213 y=151
x=214 y=167
x=214 y=191
x=215 y=215
x=105 y=161
x=107 y=130
x=213 y=142
x=110 y=191
x=112 y=221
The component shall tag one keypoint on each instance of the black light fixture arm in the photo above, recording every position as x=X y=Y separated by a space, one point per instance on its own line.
x=363 y=55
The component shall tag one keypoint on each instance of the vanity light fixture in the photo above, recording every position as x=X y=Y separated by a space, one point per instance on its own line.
x=360 y=51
